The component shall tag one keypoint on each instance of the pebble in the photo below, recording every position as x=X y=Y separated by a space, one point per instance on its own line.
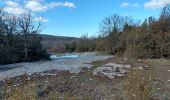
x=28 y=78
x=125 y=58
x=83 y=84
x=2 y=92
x=128 y=66
x=46 y=81
x=138 y=68
x=60 y=97
x=156 y=82
x=146 y=66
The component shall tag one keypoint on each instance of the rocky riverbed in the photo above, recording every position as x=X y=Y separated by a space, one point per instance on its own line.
x=72 y=63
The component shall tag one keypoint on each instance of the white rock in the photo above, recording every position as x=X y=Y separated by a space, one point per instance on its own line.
x=156 y=82
x=46 y=81
x=2 y=92
x=146 y=66
x=28 y=78
x=128 y=66
x=138 y=68
x=125 y=58
x=111 y=76
x=121 y=75
x=111 y=70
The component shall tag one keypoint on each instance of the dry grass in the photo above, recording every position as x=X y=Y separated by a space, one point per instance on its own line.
x=84 y=86
x=22 y=93
x=137 y=86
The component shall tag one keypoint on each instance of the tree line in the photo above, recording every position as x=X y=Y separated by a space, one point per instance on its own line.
x=84 y=44
x=19 y=39
x=123 y=36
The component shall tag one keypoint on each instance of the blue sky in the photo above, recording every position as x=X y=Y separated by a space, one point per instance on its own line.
x=77 y=17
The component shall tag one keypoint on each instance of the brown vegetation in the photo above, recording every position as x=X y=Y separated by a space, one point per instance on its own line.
x=138 y=87
x=122 y=36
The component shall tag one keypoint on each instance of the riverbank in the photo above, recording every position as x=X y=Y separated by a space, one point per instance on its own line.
x=84 y=85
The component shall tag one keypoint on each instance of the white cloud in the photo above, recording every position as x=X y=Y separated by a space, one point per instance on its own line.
x=135 y=5
x=13 y=7
x=35 y=5
x=14 y=10
x=126 y=4
x=12 y=3
x=41 y=19
x=62 y=4
x=69 y=4
x=154 y=4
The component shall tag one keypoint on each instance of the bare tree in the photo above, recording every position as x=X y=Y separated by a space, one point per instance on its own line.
x=19 y=38
x=165 y=14
x=1 y=22
x=111 y=27
x=110 y=23
x=27 y=28
x=10 y=26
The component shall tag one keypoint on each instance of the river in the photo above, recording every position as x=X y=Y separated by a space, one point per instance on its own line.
x=67 y=62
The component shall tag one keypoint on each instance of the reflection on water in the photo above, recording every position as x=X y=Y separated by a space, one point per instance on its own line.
x=62 y=56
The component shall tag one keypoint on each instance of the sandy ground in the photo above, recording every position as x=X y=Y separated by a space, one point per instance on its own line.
x=73 y=65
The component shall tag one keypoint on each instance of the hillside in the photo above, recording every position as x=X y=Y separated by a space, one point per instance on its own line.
x=56 y=43
x=57 y=38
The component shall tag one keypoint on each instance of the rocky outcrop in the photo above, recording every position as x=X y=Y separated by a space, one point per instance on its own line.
x=112 y=70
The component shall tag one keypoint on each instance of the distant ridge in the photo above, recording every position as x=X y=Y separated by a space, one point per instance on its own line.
x=53 y=37
x=56 y=43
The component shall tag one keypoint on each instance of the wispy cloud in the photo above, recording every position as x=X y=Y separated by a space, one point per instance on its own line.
x=12 y=3
x=41 y=19
x=155 y=4
x=19 y=6
x=127 y=4
x=14 y=10
x=39 y=6
x=13 y=7
x=35 y=6
x=62 y=4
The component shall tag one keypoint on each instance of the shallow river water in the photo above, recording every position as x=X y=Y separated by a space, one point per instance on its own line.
x=69 y=62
